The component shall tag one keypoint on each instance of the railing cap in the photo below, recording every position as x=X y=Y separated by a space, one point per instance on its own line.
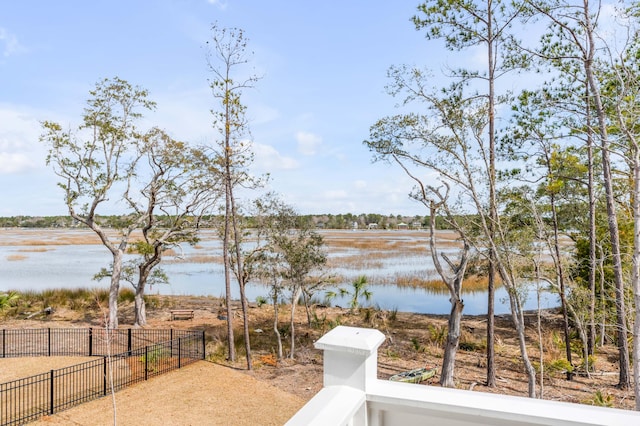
x=361 y=341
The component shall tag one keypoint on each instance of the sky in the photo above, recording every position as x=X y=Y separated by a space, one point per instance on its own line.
x=323 y=71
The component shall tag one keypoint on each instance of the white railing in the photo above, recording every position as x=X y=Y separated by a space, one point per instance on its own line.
x=354 y=396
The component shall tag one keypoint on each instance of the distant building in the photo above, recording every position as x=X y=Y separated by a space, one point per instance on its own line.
x=372 y=226
x=403 y=225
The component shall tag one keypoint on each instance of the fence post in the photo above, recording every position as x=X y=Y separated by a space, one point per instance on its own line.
x=4 y=342
x=179 y=352
x=104 y=375
x=51 y=390
x=146 y=361
x=90 y=341
x=204 y=346
x=49 y=341
x=129 y=342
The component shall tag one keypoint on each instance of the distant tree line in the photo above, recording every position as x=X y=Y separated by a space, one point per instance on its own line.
x=321 y=221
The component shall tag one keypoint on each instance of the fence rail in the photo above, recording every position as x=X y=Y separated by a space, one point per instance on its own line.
x=142 y=354
x=81 y=341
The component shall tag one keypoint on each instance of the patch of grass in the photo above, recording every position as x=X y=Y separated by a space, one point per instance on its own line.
x=600 y=399
x=438 y=334
x=393 y=314
x=126 y=295
x=470 y=343
x=558 y=366
x=416 y=345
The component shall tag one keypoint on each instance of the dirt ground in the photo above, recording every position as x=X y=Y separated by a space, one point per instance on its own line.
x=214 y=392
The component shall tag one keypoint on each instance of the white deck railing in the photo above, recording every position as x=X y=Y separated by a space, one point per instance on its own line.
x=354 y=396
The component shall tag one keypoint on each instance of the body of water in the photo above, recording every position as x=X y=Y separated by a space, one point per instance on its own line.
x=24 y=266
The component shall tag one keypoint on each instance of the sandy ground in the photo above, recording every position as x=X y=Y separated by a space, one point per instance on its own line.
x=202 y=393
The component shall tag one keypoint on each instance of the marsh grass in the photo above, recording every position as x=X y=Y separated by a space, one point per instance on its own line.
x=414 y=280
x=33 y=250
x=194 y=259
x=358 y=262
x=63 y=238
x=81 y=300
x=16 y=257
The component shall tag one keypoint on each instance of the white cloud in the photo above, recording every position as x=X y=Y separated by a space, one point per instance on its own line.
x=14 y=163
x=308 y=142
x=20 y=149
x=267 y=158
x=336 y=194
x=222 y=4
x=10 y=42
x=360 y=184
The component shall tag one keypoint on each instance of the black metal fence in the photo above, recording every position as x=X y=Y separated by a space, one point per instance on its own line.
x=81 y=341
x=142 y=354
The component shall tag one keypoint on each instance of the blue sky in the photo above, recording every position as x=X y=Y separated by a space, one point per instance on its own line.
x=323 y=67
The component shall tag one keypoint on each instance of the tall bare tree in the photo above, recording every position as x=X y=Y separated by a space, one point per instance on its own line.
x=485 y=24
x=227 y=57
x=448 y=139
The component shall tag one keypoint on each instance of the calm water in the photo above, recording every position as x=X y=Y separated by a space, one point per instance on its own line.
x=28 y=267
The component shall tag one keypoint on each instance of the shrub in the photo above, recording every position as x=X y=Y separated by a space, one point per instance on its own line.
x=438 y=334
x=601 y=399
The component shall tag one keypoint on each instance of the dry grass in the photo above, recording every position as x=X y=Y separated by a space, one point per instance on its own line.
x=33 y=250
x=16 y=257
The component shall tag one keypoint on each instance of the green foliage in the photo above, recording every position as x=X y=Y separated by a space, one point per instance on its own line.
x=592 y=363
x=261 y=300
x=358 y=290
x=393 y=314
x=438 y=334
x=154 y=357
x=415 y=344
x=560 y=365
x=601 y=399
x=323 y=323
x=8 y=300
x=472 y=345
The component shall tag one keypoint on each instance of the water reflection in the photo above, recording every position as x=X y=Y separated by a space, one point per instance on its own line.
x=50 y=264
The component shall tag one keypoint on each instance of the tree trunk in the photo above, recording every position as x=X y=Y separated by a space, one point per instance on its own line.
x=453 y=340
x=114 y=289
x=275 y=323
x=635 y=279
x=624 y=381
x=592 y=232
x=561 y=286
x=294 y=301
x=493 y=208
x=491 y=365
x=245 y=322
x=241 y=280
x=518 y=321
x=227 y=275
x=140 y=307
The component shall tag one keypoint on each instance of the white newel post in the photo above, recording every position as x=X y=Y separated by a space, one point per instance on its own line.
x=350 y=363
x=350 y=356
